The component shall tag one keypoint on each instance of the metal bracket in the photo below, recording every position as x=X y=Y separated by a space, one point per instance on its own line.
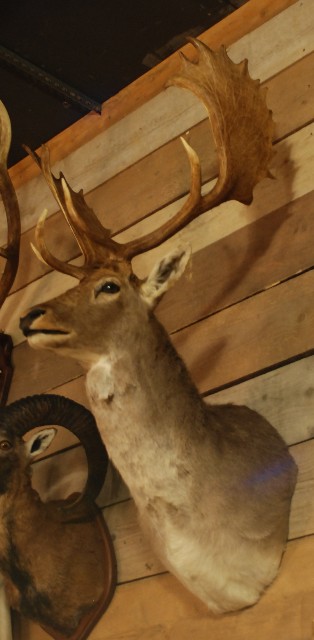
x=6 y=368
x=48 y=81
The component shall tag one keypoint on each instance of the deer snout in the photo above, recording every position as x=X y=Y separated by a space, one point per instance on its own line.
x=27 y=320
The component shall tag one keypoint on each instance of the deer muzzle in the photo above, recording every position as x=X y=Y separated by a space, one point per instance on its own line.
x=36 y=321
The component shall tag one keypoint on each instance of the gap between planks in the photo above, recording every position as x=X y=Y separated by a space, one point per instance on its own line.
x=122 y=145
x=293 y=163
x=243 y=21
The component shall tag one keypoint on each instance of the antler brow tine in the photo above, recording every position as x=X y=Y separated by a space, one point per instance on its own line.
x=189 y=211
x=42 y=252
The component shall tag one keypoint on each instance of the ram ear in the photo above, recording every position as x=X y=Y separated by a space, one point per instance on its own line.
x=40 y=442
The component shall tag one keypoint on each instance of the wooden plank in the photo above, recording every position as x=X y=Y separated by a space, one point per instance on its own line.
x=294 y=167
x=56 y=477
x=302 y=507
x=137 y=560
x=169 y=114
x=135 y=557
x=284 y=396
x=228 y=31
x=163 y=176
x=247 y=261
x=236 y=343
x=38 y=371
x=160 y=608
x=270 y=328
x=59 y=476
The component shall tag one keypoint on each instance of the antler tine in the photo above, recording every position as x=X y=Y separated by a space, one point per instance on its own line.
x=242 y=129
x=189 y=211
x=43 y=254
x=97 y=241
x=11 y=252
x=81 y=219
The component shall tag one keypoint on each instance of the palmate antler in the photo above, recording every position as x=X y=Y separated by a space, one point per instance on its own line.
x=11 y=251
x=242 y=129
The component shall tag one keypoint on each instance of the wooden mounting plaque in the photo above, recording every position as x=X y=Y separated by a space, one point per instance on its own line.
x=6 y=369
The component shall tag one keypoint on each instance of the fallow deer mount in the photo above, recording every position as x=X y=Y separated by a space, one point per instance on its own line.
x=212 y=484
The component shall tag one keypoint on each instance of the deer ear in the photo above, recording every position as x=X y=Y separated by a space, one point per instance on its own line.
x=40 y=442
x=164 y=274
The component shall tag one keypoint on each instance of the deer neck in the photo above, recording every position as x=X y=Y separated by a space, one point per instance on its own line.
x=136 y=396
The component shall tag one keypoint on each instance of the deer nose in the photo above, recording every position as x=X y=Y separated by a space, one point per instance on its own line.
x=26 y=321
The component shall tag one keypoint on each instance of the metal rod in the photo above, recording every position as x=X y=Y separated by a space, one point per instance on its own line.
x=48 y=81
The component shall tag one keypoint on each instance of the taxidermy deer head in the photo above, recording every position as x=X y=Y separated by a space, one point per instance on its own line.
x=212 y=484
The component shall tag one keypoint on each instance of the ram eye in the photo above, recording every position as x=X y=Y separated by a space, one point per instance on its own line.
x=5 y=445
x=108 y=287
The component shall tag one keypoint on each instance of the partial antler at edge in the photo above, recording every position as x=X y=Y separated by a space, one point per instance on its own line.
x=11 y=251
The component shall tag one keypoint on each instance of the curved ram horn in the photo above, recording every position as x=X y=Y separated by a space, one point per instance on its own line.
x=41 y=410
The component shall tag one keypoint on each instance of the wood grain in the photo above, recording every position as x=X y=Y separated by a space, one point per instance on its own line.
x=236 y=25
x=270 y=328
x=285 y=396
x=169 y=114
x=294 y=168
x=135 y=557
x=231 y=320
x=53 y=480
x=240 y=341
x=163 y=176
x=247 y=261
x=159 y=608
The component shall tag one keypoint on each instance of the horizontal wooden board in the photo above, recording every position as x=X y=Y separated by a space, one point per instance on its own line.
x=137 y=560
x=163 y=176
x=270 y=49
x=285 y=396
x=135 y=557
x=57 y=476
x=252 y=259
x=160 y=608
x=294 y=165
x=39 y=372
x=144 y=88
x=272 y=327
x=51 y=477
x=269 y=328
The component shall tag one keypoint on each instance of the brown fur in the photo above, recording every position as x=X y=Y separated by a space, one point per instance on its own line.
x=212 y=484
x=53 y=570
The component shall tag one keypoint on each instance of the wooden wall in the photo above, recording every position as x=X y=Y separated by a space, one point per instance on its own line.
x=242 y=317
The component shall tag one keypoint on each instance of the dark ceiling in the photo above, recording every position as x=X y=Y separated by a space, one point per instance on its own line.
x=60 y=59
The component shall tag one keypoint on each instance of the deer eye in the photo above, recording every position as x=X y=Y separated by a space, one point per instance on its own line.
x=108 y=287
x=5 y=445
